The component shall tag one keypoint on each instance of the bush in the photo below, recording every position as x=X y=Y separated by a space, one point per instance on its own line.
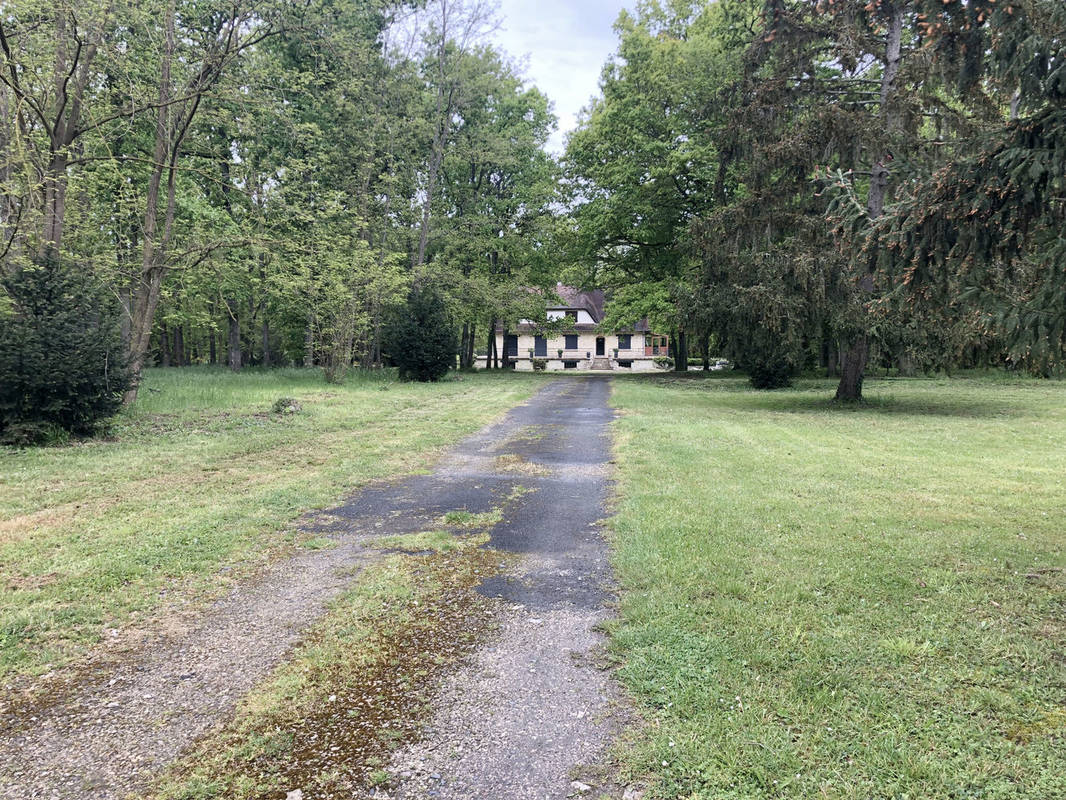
x=770 y=373
x=666 y=362
x=540 y=364
x=421 y=337
x=287 y=405
x=62 y=364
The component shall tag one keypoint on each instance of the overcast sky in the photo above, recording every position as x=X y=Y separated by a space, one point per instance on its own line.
x=564 y=44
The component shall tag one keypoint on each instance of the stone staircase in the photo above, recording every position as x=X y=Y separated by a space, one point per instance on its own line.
x=601 y=363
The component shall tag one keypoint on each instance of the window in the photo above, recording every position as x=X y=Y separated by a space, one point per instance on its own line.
x=625 y=341
x=625 y=364
x=571 y=341
x=569 y=365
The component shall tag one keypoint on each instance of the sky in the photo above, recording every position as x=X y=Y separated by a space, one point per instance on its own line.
x=563 y=44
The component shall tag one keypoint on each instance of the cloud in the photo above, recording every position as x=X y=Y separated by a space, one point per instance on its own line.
x=564 y=45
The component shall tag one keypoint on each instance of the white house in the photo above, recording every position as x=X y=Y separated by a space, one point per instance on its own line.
x=581 y=345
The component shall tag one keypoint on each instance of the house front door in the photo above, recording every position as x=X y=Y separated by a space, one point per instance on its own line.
x=601 y=346
x=540 y=347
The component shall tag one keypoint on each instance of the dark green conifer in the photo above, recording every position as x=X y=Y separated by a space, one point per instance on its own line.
x=422 y=340
x=62 y=363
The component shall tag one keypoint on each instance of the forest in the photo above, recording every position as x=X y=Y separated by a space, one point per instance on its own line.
x=787 y=183
x=258 y=183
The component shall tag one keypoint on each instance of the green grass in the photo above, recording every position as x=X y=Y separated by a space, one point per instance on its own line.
x=844 y=602
x=199 y=483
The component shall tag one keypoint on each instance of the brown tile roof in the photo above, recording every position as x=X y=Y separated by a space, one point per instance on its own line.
x=591 y=301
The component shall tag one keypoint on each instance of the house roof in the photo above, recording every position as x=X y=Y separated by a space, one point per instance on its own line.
x=591 y=301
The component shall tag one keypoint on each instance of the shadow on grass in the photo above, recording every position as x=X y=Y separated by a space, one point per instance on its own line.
x=816 y=395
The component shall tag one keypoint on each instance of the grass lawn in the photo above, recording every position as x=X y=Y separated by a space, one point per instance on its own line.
x=200 y=481
x=844 y=602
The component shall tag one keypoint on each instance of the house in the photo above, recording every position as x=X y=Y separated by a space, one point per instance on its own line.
x=581 y=344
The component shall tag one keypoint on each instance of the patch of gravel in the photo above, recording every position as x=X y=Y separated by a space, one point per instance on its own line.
x=131 y=717
x=527 y=720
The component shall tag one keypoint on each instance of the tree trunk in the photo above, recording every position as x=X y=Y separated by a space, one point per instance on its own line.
x=146 y=295
x=212 y=348
x=309 y=342
x=71 y=76
x=490 y=345
x=906 y=366
x=506 y=361
x=681 y=354
x=854 y=367
x=833 y=359
x=164 y=345
x=266 y=342
x=470 y=346
x=179 y=348
x=55 y=202
x=126 y=299
x=463 y=341
x=858 y=352
x=234 y=340
x=443 y=121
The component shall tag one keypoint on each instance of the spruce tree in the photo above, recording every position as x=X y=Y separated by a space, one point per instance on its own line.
x=62 y=363
x=422 y=340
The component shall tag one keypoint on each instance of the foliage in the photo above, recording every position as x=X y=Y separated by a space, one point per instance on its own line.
x=286 y=405
x=62 y=364
x=843 y=179
x=767 y=372
x=242 y=223
x=540 y=364
x=421 y=340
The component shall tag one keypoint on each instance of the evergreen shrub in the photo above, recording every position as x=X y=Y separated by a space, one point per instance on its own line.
x=421 y=337
x=770 y=373
x=63 y=367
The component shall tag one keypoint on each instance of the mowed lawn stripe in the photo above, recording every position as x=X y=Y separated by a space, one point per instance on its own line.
x=836 y=602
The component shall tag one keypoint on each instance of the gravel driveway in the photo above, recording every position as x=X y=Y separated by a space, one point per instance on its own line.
x=523 y=719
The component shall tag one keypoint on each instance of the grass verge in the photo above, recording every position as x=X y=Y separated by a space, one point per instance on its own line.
x=844 y=602
x=199 y=482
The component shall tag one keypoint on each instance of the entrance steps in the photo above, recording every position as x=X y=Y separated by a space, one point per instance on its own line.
x=601 y=363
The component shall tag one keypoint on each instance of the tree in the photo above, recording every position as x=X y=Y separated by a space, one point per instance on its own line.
x=984 y=228
x=200 y=157
x=422 y=342
x=62 y=361
x=496 y=189
x=645 y=163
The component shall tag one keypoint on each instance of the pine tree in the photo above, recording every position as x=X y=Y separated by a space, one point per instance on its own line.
x=62 y=363
x=422 y=341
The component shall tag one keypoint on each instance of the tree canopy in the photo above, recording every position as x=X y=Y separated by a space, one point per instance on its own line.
x=261 y=183
x=834 y=180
